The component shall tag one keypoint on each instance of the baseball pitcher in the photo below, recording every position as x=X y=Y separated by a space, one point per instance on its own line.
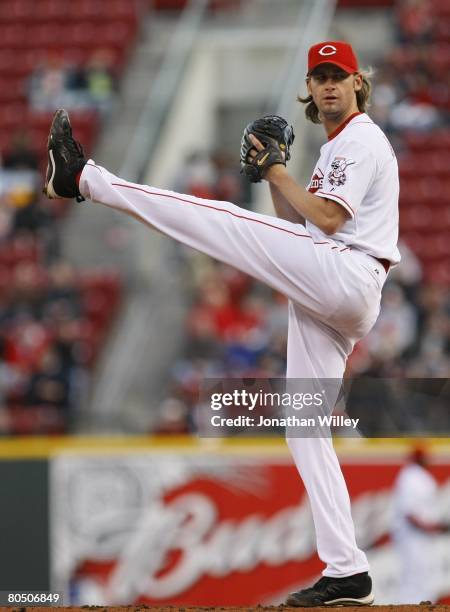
x=329 y=251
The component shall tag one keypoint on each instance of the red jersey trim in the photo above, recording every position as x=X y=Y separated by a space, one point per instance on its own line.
x=93 y=166
x=343 y=203
x=343 y=125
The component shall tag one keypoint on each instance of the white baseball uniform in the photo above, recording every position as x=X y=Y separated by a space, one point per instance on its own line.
x=333 y=285
x=414 y=494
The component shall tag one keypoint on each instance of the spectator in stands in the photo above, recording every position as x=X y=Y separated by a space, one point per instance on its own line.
x=409 y=273
x=49 y=384
x=27 y=292
x=396 y=328
x=228 y=183
x=415 y=23
x=44 y=345
x=57 y=83
x=414 y=115
x=6 y=217
x=47 y=85
x=63 y=296
x=10 y=379
x=19 y=185
x=100 y=81
x=20 y=155
x=32 y=217
x=173 y=418
x=431 y=357
x=384 y=97
x=197 y=176
x=76 y=87
x=211 y=175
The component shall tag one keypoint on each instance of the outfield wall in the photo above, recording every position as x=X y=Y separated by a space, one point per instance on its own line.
x=185 y=521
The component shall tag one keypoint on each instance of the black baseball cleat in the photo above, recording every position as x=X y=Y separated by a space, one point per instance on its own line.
x=65 y=159
x=353 y=590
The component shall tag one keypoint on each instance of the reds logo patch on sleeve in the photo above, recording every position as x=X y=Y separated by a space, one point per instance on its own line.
x=337 y=176
x=316 y=181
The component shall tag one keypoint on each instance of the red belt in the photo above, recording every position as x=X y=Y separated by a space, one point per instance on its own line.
x=385 y=263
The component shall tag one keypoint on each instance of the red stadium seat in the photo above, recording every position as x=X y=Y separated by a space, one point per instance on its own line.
x=12 y=36
x=116 y=33
x=12 y=90
x=432 y=247
x=438 y=140
x=14 y=11
x=441 y=8
x=415 y=190
x=29 y=420
x=403 y=58
x=423 y=164
x=122 y=9
x=416 y=241
x=90 y=10
x=45 y=35
x=440 y=59
x=53 y=10
x=442 y=30
x=416 y=217
x=437 y=272
x=11 y=115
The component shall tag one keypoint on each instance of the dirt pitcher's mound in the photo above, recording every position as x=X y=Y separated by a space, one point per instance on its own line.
x=425 y=607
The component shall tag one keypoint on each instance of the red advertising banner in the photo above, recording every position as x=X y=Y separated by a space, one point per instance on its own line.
x=213 y=529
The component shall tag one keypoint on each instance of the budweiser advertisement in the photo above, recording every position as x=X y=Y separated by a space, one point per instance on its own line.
x=215 y=528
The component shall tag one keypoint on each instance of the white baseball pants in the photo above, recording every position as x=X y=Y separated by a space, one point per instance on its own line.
x=334 y=295
x=419 y=567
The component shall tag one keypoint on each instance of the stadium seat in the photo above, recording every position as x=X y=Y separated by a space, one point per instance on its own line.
x=12 y=90
x=14 y=11
x=441 y=8
x=438 y=140
x=416 y=217
x=442 y=29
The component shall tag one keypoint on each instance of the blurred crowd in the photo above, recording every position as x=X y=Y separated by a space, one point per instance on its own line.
x=238 y=328
x=52 y=318
x=56 y=82
x=412 y=89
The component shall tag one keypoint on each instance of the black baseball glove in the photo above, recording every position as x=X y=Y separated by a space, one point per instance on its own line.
x=276 y=136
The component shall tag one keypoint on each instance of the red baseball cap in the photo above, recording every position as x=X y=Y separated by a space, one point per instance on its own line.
x=333 y=52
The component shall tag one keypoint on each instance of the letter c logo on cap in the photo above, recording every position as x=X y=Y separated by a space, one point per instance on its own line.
x=327 y=50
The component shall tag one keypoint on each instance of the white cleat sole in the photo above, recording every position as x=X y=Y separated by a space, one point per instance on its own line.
x=347 y=601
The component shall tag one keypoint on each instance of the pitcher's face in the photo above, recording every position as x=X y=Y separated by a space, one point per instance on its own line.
x=334 y=91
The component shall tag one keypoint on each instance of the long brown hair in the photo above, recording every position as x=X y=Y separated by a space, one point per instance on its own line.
x=362 y=98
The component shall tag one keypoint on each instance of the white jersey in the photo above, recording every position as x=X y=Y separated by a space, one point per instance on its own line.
x=414 y=494
x=358 y=169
